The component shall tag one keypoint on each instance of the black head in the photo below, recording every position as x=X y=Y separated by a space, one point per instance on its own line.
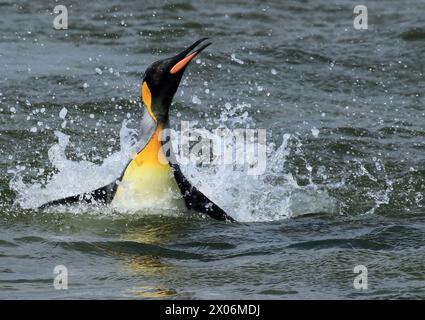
x=162 y=79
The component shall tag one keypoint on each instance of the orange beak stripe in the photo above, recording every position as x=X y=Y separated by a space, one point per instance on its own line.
x=182 y=63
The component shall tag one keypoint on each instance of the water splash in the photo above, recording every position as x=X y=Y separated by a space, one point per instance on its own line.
x=382 y=195
x=273 y=195
x=73 y=177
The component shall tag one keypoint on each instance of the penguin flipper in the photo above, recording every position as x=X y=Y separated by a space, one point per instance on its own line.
x=103 y=195
x=196 y=200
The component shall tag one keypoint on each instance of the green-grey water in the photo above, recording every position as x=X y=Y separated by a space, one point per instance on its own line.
x=344 y=186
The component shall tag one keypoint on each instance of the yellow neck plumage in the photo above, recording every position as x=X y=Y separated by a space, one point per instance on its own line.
x=148 y=180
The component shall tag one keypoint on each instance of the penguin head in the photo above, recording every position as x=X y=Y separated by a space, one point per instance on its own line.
x=162 y=79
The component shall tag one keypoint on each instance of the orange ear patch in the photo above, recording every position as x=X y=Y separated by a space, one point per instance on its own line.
x=146 y=95
x=147 y=99
x=182 y=63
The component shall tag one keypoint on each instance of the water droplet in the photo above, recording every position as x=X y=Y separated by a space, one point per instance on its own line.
x=315 y=132
x=233 y=58
x=62 y=113
x=196 y=100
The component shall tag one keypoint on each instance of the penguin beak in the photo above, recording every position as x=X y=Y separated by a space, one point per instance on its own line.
x=181 y=60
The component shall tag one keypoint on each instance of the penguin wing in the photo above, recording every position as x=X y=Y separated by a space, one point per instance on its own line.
x=193 y=198
x=103 y=195
x=196 y=200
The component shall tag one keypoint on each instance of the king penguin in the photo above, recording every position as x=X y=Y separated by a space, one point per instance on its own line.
x=152 y=178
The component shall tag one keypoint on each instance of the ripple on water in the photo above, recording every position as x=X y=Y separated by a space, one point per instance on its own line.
x=413 y=34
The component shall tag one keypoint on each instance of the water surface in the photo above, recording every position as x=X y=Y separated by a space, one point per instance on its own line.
x=344 y=186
